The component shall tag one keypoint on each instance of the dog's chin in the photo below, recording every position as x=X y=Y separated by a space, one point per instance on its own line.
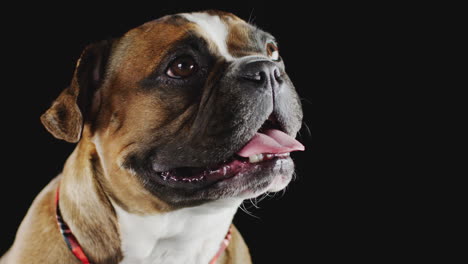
x=272 y=179
x=236 y=178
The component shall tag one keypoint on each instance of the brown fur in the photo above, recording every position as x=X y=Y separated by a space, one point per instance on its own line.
x=40 y=223
x=237 y=251
x=120 y=115
x=117 y=127
x=238 y=35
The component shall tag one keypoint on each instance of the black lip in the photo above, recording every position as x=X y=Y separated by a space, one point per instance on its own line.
x=254 y=179
x=196 y=178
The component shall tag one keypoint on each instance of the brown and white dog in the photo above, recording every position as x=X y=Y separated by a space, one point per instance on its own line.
x=177 y=122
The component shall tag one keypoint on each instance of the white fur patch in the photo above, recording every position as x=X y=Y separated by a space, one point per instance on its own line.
x=190 y=235
x=215 y=30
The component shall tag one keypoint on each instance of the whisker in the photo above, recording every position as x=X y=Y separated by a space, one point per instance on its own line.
x=254 y=202
x=251 y=19
x=306 y=127
x=245 y=210
x=283 y=192
x=262 y=197
x=303 y=99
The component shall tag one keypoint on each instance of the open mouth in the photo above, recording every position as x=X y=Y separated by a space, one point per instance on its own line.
x=267 y=145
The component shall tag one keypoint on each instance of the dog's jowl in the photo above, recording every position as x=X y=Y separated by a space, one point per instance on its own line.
x=176 y=123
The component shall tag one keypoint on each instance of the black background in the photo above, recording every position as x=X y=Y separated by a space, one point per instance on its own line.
x=328 y=212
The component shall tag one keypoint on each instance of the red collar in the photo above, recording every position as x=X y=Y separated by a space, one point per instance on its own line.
x=77 y=250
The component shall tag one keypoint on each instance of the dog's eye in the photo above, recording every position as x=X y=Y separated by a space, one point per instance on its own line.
x=182 y=67
x=272 y=51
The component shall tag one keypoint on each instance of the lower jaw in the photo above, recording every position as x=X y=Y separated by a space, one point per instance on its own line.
x=250 y=181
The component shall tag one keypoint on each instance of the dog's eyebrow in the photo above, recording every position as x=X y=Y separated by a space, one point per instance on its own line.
x=191 y=41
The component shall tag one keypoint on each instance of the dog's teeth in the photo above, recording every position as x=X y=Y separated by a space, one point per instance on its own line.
x=253 y=158
x=256 y=158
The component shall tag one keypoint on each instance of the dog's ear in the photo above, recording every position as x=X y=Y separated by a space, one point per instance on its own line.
x=65 y=118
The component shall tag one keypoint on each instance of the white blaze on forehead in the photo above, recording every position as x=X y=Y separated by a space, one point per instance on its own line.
x=214 y=29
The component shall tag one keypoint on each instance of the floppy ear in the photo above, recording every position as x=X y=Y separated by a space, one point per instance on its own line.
x=65 y=118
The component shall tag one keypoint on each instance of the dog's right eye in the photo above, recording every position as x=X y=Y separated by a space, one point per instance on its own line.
x=182 y=67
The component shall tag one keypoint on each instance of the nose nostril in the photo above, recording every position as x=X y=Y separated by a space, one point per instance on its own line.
x=256 y=77
x=261 y=73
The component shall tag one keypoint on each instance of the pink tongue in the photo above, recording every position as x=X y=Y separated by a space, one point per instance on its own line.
x=270 y=141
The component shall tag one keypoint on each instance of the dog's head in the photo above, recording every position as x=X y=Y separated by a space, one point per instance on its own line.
x=182 y=110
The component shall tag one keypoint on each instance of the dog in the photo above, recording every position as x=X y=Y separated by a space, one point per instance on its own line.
x=176 y=123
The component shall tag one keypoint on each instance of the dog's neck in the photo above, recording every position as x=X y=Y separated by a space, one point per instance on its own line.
x=189 y=235
x=86 y=208
x=109 y=234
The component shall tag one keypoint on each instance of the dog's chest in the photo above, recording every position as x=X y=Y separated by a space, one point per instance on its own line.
x=190 y=235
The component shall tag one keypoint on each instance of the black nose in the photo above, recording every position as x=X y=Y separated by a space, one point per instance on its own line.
x=262 y=73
